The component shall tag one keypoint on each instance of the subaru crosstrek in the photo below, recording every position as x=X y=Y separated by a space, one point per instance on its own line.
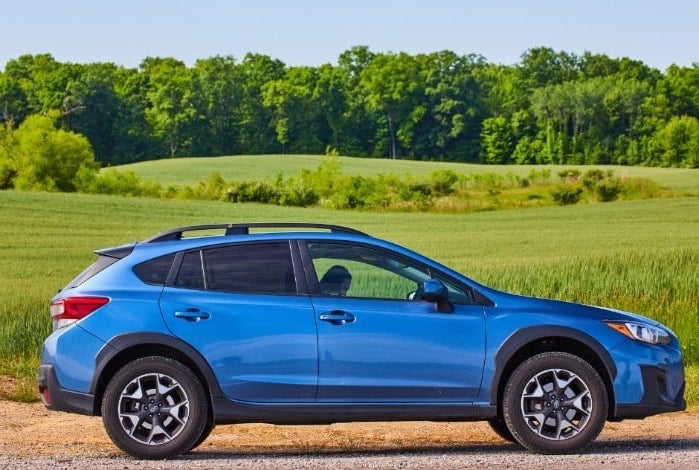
x=313 y=323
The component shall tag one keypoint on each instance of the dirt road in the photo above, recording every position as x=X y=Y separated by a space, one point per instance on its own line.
x=31 y=437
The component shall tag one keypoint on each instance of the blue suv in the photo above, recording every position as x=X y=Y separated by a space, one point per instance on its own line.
x=314 y=323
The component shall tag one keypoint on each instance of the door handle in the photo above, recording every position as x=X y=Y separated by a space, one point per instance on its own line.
x=192 y=315
x=338 y=317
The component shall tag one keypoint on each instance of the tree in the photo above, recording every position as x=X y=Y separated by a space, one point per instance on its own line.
x=256 y=131
x=497 y=140
x=455 y=108
x=49 y=159
x=542 y=66
x=13 y=100
x=678 y=142
x=295 y=112
x=218 y=96
x=170 y=112
x=392 y=82
x=91 y=107
x=358 y=125
x=681 y=86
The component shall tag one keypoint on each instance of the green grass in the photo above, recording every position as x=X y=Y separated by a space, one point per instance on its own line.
x=181 y=171
x=637 y=255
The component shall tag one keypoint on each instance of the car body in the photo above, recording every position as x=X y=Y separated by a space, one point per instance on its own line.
x=315 y=323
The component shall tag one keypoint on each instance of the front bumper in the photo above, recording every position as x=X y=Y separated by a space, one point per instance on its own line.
x=659 y=396
x=56 y=398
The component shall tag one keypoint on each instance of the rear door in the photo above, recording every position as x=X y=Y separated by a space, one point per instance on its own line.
x=241 y=308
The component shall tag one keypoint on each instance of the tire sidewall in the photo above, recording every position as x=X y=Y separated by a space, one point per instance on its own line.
x=198 y=408
x=512 y=411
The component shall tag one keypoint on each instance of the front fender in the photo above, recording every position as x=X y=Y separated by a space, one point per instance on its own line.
x=519 y=340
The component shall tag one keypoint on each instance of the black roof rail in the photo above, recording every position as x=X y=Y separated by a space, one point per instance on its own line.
x=244 y=229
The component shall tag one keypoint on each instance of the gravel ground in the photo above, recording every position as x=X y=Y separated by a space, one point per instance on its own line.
x=31 y=437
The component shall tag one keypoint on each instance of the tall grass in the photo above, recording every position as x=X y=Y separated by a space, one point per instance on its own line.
x=640 y=256
x=660 y=284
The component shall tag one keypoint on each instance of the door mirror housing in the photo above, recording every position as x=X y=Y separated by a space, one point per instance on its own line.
x=434 y=290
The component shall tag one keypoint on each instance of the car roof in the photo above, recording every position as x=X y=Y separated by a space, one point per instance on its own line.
x=245 y=229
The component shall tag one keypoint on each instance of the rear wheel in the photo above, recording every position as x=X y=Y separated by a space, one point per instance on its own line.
x=207 y=430
x=555 y=403
x=155 y=408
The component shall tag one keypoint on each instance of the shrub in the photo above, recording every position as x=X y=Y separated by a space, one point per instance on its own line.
x=608 y=190
x=442 y=182
x=570 y=175
x=124 y=183
x=592 y=177
x=253 y=191
x=566 y=194
x=48 y=158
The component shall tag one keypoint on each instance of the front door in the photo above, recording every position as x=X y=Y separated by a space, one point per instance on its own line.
x=378 y=344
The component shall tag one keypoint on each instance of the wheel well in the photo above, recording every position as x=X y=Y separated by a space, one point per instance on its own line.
x=137 y=352
x=556 y=344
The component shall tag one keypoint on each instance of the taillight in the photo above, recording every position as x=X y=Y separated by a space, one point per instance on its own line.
x=71 y=309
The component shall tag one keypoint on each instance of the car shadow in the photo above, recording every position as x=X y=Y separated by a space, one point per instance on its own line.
x=600 y=447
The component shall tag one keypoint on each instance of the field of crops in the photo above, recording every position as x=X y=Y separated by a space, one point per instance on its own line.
x=640 y=256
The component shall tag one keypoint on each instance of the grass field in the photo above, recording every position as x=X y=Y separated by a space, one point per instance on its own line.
x=638 y=255
x=181 y=171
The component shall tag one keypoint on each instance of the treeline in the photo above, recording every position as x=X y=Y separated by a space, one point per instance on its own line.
x=551 y=107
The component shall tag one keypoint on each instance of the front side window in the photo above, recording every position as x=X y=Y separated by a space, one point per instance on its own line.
x=365 y=272
x=264 y=268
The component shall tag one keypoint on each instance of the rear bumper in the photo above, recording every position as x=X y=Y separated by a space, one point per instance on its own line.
x=659 y=396
x=56 y=398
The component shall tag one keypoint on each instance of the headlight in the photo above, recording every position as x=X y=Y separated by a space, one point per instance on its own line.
x=641 y=332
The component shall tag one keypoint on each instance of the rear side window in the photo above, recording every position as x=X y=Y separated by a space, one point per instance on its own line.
x=190 y=274
x=154 y=271
x=264 y=268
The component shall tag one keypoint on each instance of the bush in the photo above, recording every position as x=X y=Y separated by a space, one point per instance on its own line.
x=566 y=194
x=569 y=176
x=48 y=158
x=124 y=183
x=253 y=191
x=442 y=182
x=608 y=190
x=592 y=177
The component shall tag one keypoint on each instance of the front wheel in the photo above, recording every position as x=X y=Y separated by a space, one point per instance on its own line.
x=155 y=408
x=555 y=403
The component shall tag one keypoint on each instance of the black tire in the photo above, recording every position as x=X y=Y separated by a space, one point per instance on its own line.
x=155 y=408
x=555 y=403
x=500 y=427
x=207 y=431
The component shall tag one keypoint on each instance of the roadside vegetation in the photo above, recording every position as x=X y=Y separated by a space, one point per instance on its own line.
x=439 y=191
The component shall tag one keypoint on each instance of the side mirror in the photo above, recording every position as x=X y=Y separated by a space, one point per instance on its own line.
x=433 y=290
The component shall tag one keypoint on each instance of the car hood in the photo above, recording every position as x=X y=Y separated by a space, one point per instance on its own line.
x=534 y=304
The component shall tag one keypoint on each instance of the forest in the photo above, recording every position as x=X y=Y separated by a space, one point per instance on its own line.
x=550 y=107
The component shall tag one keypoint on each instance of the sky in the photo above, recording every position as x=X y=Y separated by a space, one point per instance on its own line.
x=315 y=32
